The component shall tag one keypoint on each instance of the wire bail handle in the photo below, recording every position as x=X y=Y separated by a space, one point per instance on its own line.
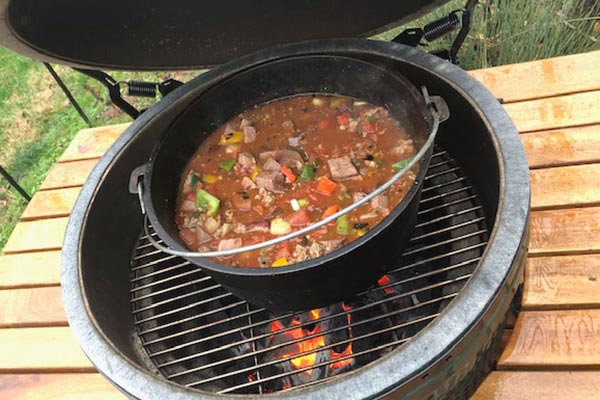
x=439 y=113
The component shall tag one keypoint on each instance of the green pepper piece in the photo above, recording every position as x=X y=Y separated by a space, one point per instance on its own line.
x=371 y=118
x=401 y=164
x=208 y=202
x=341 y=225
x=302 y=202
x=307 y=173
x=227 y=165
x=194 y=180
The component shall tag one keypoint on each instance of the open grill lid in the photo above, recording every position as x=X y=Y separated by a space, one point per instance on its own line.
x=164 y=35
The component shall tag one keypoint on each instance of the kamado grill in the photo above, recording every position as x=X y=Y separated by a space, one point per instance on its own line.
x=158 y=327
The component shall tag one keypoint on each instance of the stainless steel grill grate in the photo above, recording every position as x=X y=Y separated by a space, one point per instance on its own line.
x=199 y=335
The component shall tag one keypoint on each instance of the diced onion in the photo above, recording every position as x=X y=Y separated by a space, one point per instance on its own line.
x=295 y=205
x=317 y=102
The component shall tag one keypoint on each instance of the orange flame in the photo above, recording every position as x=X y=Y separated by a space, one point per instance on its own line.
x=311 y=345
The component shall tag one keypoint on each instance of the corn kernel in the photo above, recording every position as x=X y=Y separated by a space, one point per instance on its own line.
x=231 y=138
x=280 y=262
x=209 y=178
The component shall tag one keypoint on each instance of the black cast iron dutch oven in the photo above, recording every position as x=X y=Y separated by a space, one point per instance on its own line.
x=315 y=282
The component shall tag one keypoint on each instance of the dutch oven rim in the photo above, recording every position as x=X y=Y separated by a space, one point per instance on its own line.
x=507 y=241
x=318 y=262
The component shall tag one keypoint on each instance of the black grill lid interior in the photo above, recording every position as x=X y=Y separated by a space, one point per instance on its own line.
x=163 y=35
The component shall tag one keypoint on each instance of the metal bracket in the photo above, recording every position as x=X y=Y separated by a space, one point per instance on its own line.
x=114 y=91
x=439 y=28
x=135 y=88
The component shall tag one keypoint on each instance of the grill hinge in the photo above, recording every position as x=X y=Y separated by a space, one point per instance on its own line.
x=439 y=28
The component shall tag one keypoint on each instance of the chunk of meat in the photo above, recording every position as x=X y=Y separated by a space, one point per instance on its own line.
x=331 y=245
x=291 y=158
x=245 y=122
x=229 y=244
x=316 y=249
x=249 y=134
x=356 y=196
x=247 y=183
x=271 y=165
x=380 y=202
x=341 y=168
x=269 y=154
x=202 y=236
x=188 y=206
x=247 y=161
x=300 y=253
x=271 y=180
x=261 y=226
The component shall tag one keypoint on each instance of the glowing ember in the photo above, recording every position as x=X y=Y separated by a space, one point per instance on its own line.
x=384 y=280
x=335 y=355
x=310 y=345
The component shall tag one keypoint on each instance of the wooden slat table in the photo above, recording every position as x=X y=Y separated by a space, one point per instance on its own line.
x=553 y=350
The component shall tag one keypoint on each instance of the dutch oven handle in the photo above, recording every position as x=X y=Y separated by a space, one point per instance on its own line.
x=439 y=113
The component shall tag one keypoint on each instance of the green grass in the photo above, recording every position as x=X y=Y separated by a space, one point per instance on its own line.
x=37 y=122
x=512 y=31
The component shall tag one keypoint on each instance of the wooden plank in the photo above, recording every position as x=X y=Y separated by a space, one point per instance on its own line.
x=34 y=350
x=30 y=269
x=572 y=186
x=68 y=174
x=572 y=231
x=88 y=386
x=51 y=204
x=43 y=234
x=562 y=282
x=546 y=385
x=542 y=78
x=556 y=112
x=562 y=146
x=92 y=142
x=32 y=307
x=554 y=339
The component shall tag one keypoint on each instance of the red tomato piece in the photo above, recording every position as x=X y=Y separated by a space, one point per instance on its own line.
x=299 y=218
x=343 y=120
x=369 y=127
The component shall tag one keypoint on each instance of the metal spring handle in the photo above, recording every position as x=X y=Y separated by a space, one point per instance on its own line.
x=439 y=113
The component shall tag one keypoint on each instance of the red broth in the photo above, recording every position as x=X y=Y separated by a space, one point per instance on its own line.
x=283 y=165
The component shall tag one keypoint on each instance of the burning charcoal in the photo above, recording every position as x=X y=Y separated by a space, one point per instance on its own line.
x=336 y=327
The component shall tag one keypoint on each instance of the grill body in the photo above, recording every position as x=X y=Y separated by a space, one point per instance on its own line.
x=479 y=138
